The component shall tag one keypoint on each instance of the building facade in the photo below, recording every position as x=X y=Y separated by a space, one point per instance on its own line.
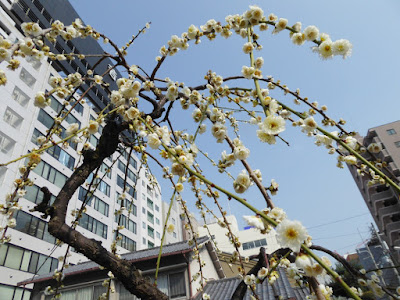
x=32 y=250
x=250 y=238
x=383 y=201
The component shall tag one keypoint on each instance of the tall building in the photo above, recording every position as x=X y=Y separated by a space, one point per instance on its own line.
x=382 y=200
x=32 y=250
x=250 y=238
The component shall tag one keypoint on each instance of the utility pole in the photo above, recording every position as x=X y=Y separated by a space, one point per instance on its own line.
x=372 y=257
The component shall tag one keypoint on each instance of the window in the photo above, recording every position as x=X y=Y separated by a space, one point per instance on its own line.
x=126 y=243
x=45 y=119
x=150 y=244
x=144 y=241
x=149 y=204
x=83 y=293
x=79 y=108
x=144 y=225
x=150 y=232
x=150 y=217
x=101 y=185
x=3 y=171
x=157 y=208
x=397 y=144
x=27 y=78
x=62 y=156
x=174 y=234
x=33 y=226
x=19 y=96
x=125 y=221
x=149 y=191
x=172 y=284
x=391 y=131
x=55 y=105
x=71 y=119
x=12 y=118
x=157 y=221
x=93 y=201
x=89 y=223
x=49 y=173
x=129 y=189
x=254 y=244
x=93 y=140
x=35 y=195
x=105 y=169
x=14 y=293
x=143 y=210
x=158 y=235
x=25 y=260
x=6 y=144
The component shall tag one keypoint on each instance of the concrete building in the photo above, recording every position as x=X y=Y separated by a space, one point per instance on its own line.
x=250 y=238
x=32 y=250
x=383 y=201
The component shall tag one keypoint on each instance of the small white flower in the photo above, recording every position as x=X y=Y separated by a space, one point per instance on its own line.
x=273 y=125
x=242 y=182
x=342 y=47
x=291 y=234
x=93 y=127
x=311 y=33
x=72 y=129
x=249 y=279
x=153 y=140
x=248 y=47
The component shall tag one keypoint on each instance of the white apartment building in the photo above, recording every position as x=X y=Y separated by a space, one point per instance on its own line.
x=32 y=250
x=250 y=238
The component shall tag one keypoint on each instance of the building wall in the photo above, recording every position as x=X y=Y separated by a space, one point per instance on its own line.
x=251 y=237
x=381 y=200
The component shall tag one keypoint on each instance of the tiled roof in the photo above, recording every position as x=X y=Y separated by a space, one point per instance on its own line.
x=132 y=256
x=223 y=289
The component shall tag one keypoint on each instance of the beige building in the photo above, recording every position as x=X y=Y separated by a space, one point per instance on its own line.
x=382 y=201
x=250 y=238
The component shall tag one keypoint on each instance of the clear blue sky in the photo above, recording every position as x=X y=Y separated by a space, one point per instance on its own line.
x=362 y=89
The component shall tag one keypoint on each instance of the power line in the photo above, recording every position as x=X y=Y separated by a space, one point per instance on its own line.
x=336 y=236
x=337 y=221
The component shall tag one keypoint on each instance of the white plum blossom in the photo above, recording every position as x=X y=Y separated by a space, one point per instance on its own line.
x=242 y=182
x=248 y=47
x=325 y=49
x=342 y=47
x=374 y=147
x=298 y=38
x=72 y=129
x=241 y=152
x=280 y=25
x=311 y=33
x=249 y=279
x=41 y=100
x=93 y=127
x=291 y=234
x=218 y=130
x=153 y=140
x=272 y=125
x=248 y=72
x=309 y=125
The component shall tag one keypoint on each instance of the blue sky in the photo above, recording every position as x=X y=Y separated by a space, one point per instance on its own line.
x=362 y=89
